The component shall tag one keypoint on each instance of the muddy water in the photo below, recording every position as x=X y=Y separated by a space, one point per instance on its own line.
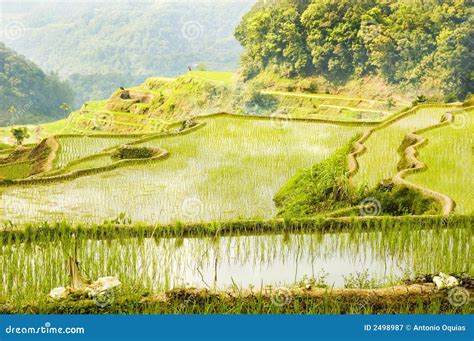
x=258 y=261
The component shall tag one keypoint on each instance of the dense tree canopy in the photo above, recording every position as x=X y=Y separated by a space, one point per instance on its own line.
x=420 y=42
x=27 y=94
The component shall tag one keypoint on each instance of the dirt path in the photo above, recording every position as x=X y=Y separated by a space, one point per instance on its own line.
x=53 y=144
x=411 y=164
x=358 y=147
x=355 y=109
x=44 y=163
x=392 y=295
x=320 y=96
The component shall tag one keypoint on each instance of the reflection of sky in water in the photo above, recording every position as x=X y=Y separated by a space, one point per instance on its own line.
x=291 y=270
x=252 y=261
x=283 y=268
x=163 y=263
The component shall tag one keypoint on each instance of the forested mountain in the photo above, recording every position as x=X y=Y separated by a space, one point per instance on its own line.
x=100 y=46
x=27 y=94
x=421 y=44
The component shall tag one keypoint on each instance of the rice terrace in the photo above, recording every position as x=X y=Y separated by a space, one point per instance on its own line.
x=259 y=191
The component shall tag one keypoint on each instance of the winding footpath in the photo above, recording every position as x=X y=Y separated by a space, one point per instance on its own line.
x=409 y=154
x=412 y=164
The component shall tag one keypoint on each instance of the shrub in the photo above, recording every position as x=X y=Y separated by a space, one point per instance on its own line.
x=401 y=200
x=20 y=134
x=321 y=188
x=130 y=152
x=252 y=100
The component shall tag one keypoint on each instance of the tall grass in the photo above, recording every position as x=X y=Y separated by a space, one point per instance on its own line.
x=394 y=250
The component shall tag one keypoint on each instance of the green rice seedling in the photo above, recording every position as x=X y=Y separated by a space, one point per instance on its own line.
x=449 y=156
x=17 y=170
x=98 y=160
x=381 y=157
x=72 y=148
x=31 y=269
x=231 y=168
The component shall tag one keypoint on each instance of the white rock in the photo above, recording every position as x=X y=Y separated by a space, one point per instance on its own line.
x=97 y=288
x=106 y=283
x=102 y=285
x=438 y=281
x=59 y=293
x=445 y=281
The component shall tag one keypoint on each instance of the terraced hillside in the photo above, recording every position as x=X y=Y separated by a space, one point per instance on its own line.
x=381 y=158
x=160 y=102
x=227 y=167
x=130 y=167
x=449 y=156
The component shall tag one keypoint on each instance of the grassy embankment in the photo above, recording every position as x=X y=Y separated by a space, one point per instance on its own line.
x=449 y=155
x=425 y=245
